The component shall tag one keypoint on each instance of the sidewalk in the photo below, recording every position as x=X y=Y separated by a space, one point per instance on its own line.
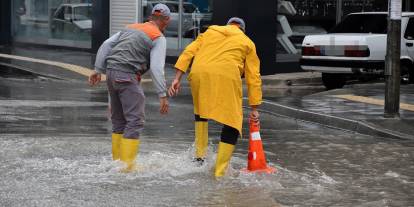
x=285 y=80
x=355 y=108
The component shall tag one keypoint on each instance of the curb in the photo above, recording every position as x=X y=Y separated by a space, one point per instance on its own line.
x=286 y=80
x=25 y=69
x=83 y=71
x=331 y=121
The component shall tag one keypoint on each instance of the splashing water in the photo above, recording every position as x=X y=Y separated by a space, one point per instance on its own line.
x=59 y=169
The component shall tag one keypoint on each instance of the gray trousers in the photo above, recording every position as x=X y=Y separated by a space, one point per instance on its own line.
x=127 y=103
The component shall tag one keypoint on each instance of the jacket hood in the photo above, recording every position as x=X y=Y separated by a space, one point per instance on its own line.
x=227 y=30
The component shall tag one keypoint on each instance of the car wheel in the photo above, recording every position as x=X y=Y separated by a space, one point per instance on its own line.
x=333 y=80
x=407 y=74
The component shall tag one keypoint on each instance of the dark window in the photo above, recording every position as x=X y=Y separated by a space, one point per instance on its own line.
x=189 y=8
x=409 y=32
x=173 y=7
x=59 y=13
x=362 y=23
x=68 y=13
x=82 y=13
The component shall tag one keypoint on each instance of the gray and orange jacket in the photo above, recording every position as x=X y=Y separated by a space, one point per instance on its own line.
x=136 y=49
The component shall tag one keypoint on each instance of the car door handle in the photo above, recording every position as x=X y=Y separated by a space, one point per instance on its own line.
x=409 y=44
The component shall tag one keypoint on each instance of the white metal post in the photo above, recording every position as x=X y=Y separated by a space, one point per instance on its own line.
x=140 y=17
x=180 y=24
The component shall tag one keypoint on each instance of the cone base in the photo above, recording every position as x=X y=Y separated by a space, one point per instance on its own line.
x=267 y=170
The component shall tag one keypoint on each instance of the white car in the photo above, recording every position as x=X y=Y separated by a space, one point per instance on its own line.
x=72 y=18
x=190 y=16
x=356 y=48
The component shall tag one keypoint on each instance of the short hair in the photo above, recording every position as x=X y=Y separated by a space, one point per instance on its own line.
x=158 y=17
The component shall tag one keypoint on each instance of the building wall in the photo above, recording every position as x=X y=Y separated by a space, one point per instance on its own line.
x=277 y=36
x=258 y=19
x=122 y=12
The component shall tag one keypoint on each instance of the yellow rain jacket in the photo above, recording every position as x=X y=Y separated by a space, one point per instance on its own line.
x=222 y=55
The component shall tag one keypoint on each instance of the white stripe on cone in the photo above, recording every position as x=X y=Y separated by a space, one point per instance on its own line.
x=255 y=136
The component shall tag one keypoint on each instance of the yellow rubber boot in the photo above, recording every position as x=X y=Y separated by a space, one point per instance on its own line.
x=129 y=150
x=201 y=139
x=224 y=154
x=116 y=144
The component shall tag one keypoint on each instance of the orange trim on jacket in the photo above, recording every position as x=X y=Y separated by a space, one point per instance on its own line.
x=148 y=28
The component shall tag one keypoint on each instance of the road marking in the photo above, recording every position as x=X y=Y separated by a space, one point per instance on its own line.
x=375 y=101
x=74 y=68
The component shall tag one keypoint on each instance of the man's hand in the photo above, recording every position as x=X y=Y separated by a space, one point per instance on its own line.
x=94 y=79
x=254 y=115
x=175 y=88
x=163 y=105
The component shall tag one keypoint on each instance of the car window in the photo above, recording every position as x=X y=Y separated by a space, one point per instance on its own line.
x=68 y=13
x=189 y=8
x=82 y=13
x=173 y=7
x=362 y=23
x=59 y=13
x=409 y=31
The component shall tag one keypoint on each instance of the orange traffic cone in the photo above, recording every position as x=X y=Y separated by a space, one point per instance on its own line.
x=256 y=160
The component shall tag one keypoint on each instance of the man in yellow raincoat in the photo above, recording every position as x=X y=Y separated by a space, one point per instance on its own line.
x=221 y=56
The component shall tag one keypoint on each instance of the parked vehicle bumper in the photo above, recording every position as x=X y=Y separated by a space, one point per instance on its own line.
x=342 y=66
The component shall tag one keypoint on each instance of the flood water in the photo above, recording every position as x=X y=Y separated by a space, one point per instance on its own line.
x=55 y=151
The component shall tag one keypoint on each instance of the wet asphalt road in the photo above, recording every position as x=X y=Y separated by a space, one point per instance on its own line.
x=55 y=151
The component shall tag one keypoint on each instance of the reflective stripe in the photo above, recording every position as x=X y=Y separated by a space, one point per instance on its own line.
x=148 y=28
x=256 y=136
x=252 y=156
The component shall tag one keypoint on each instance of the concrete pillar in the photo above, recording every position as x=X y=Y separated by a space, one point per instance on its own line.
x=392 y=61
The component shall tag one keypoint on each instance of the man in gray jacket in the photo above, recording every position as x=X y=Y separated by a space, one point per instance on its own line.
x=125 y=57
